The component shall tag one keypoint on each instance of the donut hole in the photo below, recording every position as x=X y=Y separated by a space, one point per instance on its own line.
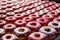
x=52 y=13
x=41 y=19
x=0 y=21
x=3 y=1
x=9 y=0
x=9 y=26
x=48 y=30
x=8 y=37
x=47 y=16
x=21 y=30
x=37 y=35
x=19 y=21
x=33 y=24
x=58 y=20
x=33 y=15
x=10 y=18
x=18 y=15
x=55 y=24
x=27 y=18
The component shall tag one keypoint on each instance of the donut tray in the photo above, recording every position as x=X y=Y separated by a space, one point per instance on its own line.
x=29 y=20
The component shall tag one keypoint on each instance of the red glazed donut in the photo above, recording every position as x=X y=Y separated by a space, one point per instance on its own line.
x=37 y=36
x=2 y=31
x=43 y=2
x=51 y=32
x=27 y=19
x=33 y=15
x=33 y=25
x=15 y=7
x=10 y=18
x=19 y=15
x=49 y=17
x=9 y=26
x=2 y=16
x=53 y=14
x=22 y=31
x=25 y=14
x=47 y=4
x=58 y=11
x=28 y=11
x=52 y=3
x=20 y=22
x=2 y=22
x=9 y=37
x=54 y=7
x=49 y=8
x=56 y=19
x=3 y=11
x=10 y=13
x=55 y=25
x=9 y=5
x=43 y=21
x=16 y=11
x=4 y=6
x=9 y=9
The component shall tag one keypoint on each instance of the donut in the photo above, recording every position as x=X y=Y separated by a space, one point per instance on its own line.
x=15 y=7
x=2 y=22
x=20 y=22
x=9 y=37
x=49 y=17
x=3 y=11
x=9 y=5
x=2 y=16
x=55 y=25
x=53 y=13
x=28 y=11
x=58 y=11
x=33 y=15
x=4 y=7
x=22 y=32
x=27 y=19
x=10 y=18
x=56 y=20
x=52 y=3
x=9 y=26
x=37 y=36
x=25 y=14
x=9 y=9
x=33 y=25
x=51 y=32
x=18 y=15
x=2 y=31
x=43 y=21
x=10 y=13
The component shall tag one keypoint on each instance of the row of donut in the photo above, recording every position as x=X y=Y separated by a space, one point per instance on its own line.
x=24 y=13
x=45 y=18
x=34 y=10
x=45 y=32
x=33 y=24
x=17 y=4
x=36 y=6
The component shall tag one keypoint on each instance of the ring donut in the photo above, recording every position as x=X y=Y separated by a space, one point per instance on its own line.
x=37 y=36
x=22 y=31
x=9 y=37
x=51 y=32
x=33 y=25
x=55 y=25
